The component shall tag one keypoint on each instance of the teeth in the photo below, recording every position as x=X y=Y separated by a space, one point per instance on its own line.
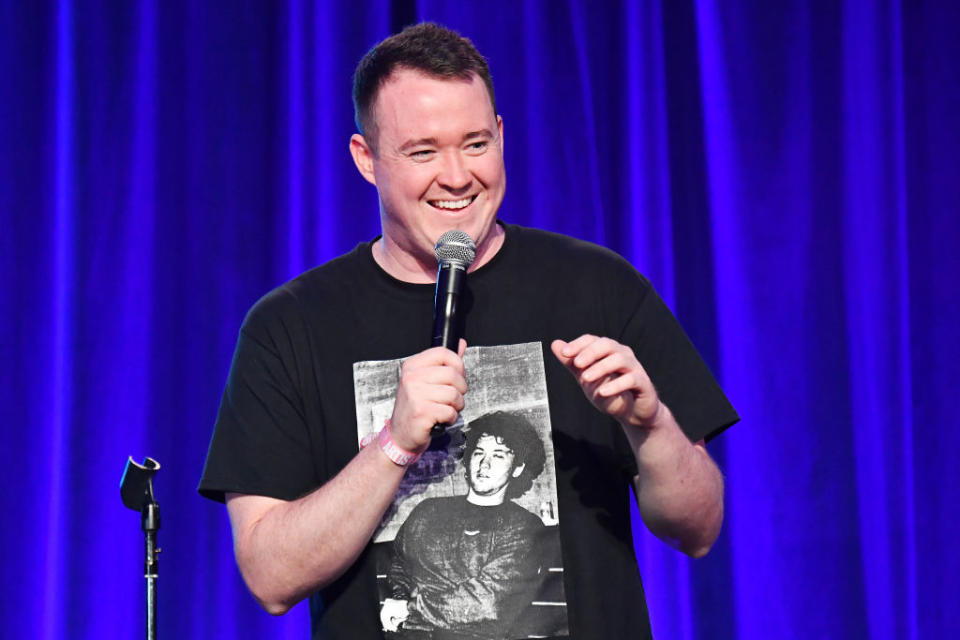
x=451 y=204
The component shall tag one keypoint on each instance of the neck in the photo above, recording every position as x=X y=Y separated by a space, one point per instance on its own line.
x=403 y=265
x=422 y=269
x=487 y=501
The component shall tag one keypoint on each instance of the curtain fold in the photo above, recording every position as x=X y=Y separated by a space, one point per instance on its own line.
x=786 y=174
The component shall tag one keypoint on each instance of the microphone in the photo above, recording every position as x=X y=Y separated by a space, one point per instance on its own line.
x=455 y=251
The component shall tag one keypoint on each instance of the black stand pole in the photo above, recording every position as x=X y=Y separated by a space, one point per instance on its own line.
x=150 y=523
x=136 y=490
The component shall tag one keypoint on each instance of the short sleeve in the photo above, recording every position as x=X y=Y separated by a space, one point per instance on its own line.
x=681 y=377
x=261 y=441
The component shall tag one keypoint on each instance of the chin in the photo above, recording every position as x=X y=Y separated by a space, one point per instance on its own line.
x=481 y=232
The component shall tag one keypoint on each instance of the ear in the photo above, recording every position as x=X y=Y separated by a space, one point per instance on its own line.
x=362 y=157
x=500 y=127
x=517 y=470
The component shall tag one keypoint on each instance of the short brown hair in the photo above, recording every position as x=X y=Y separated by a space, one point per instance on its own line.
x=427 y=47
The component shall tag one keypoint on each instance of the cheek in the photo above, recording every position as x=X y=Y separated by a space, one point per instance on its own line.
x=503 y=469
x=416 y=180
x=403 y=182
x=489 y=170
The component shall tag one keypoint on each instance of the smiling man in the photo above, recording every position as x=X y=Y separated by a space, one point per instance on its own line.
x=436 y=158
x=630 y=401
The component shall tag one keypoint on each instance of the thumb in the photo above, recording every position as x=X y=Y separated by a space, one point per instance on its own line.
x=557 y=347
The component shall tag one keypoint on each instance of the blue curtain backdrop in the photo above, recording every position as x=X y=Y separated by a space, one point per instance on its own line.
x=787 y=173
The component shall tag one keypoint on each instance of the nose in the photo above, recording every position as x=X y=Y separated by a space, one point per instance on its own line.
x=454 y=175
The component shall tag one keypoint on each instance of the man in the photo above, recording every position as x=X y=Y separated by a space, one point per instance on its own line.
x=303 y=502
x=468 y=567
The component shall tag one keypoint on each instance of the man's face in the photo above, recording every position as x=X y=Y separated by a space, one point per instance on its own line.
x=491 y=466
x=439 y=161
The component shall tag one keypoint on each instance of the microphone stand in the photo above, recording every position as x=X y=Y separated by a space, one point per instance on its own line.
x=136 y=491
x=150 y=523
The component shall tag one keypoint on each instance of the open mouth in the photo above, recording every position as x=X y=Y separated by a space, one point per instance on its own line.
x=453 y=205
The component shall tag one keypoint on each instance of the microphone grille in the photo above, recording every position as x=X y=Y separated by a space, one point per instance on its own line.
x=455 y=246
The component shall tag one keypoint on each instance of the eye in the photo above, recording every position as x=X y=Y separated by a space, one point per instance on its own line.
x=478 y=147
x=421 y=154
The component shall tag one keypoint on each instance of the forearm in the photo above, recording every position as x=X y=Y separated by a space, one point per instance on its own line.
x=288 y=550
x=679 y=488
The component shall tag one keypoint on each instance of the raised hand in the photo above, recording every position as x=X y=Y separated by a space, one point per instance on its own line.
x=611 y=377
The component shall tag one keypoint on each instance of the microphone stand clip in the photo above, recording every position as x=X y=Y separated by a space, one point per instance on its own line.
x=136 y=491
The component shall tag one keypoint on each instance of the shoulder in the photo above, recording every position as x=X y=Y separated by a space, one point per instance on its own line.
x=542 y=242
x=596 y=277
x=429 y=506
x=516 y=517
x=558 y=251
x=284 y=305
x=431 y=510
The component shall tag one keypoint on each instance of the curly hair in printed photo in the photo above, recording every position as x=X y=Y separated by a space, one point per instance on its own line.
x=517 y=434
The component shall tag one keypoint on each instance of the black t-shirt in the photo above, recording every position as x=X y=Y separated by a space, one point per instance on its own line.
x=287 y=420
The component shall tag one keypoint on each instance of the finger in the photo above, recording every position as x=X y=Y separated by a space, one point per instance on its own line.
x=619 y=384
x=462 y=348
x=434 y=374
x=436 y=382
x=558 y=347
x=594 y=351
x=435 y=356
x=574 y=347
x=411 y=422
x=439 y=376
x=441 y=395
x=614 y=363
x=433 y=413
x=448 y=414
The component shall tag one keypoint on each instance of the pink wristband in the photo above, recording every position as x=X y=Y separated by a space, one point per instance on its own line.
x=398 y=455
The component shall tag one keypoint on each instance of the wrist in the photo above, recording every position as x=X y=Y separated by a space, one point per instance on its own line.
x=654 y=419
x=647 y=420
x=397 y=454
x=640 y=429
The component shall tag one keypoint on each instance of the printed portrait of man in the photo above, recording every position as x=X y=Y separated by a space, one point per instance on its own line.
x=468 y=566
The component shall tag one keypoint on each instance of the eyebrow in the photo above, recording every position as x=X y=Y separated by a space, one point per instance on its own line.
x=409 y=144
x=482 y=133
x=502 y=448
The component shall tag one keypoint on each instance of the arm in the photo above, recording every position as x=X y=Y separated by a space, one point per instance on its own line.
x=679 y=489
x=287 y=550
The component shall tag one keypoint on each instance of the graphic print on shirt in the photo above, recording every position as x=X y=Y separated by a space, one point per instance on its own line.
x=470 y=547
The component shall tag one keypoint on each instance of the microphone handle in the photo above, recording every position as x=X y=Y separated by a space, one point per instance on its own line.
x=450 y=277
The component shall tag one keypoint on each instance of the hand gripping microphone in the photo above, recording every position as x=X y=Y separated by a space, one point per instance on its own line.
x=455 y=252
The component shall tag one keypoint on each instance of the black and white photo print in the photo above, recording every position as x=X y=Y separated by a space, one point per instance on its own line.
x=470 y=547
